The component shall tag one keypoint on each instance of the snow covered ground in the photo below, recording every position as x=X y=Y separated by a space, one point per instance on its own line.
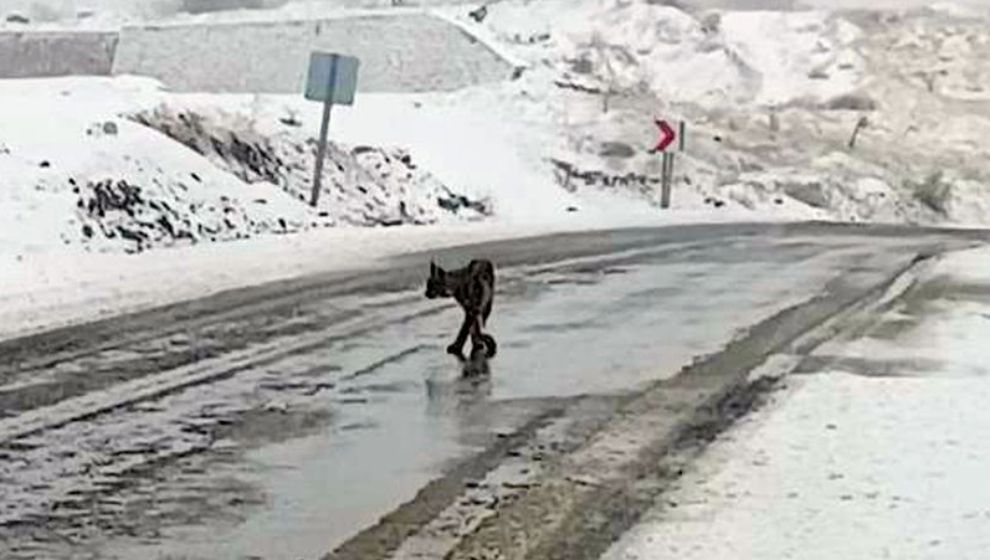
x=108 y=165
x=92 y=169
x=877 y=449
x=771 y=100
x=73 y=215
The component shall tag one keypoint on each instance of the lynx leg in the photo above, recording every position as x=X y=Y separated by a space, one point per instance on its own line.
x=477 y=337
x=457 y=348
x=486 y=312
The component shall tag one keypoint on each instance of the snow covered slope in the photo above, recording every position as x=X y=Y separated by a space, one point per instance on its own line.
x=119 y=165
x=771 y=99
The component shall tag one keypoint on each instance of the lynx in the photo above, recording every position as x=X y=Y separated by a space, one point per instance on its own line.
x=473 y=288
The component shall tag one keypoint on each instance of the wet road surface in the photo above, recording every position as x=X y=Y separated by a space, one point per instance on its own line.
x=279 y=422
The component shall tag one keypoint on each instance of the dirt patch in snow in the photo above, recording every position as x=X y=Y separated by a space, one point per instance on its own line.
x=362 y=185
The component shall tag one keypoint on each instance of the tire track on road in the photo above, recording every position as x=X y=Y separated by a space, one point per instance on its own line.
x=90 y=405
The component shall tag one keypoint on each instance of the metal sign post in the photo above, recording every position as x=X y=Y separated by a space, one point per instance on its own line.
x=667 y=137
x=321 y=152
x=668 y=175
x=332 y=79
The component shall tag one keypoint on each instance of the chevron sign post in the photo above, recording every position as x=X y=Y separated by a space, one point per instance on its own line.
x=667 y=137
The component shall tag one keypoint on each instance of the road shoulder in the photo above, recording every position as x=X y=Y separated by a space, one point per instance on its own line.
x=876 y=448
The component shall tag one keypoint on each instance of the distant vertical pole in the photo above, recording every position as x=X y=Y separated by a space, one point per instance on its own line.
x=666 y=179
x=321 y=152
x=670 y=177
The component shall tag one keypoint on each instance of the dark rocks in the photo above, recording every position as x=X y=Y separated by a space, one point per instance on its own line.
x=568 y=84
x=251 y=157
x=582 y=66
x=717 y=203
x=570 y=176
x=851 y=102
x=479 y=14
x=107 y=196
x=457 y=202
x=810 y=192
x=291 y=120
x=617 y=150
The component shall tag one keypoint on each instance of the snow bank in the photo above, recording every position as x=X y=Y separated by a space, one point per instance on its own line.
x=771 y=100
x=41 y=290
x=879 y=453
x=714 y=59
x=103 y=164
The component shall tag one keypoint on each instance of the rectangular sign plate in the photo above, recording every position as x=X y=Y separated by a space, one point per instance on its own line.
x=332 y=77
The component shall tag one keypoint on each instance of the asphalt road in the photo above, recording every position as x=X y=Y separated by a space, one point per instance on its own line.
x=285 y=421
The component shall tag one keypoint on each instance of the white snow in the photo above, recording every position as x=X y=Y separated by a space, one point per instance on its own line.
x=76 y=139
x=766 y=96
x=848 y=465
x=770 y=99
x=53 y=274
x=880 y=455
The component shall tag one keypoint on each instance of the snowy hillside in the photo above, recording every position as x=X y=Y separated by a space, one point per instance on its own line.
x=118 y=165
x=772 y=100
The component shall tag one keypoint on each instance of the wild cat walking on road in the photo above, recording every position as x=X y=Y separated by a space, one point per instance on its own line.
x=473 y=287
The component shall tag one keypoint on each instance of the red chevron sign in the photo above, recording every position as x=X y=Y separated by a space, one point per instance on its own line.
x=667 y=135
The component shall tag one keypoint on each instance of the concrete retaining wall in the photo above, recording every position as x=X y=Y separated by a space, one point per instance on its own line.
x=403 y=52
x=42 y=54
x=407 y=52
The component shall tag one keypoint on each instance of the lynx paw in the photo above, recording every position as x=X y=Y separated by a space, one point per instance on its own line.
x=456 y=351
x=491 y=347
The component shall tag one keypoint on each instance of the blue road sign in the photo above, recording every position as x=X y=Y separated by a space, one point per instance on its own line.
x=332 y=78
